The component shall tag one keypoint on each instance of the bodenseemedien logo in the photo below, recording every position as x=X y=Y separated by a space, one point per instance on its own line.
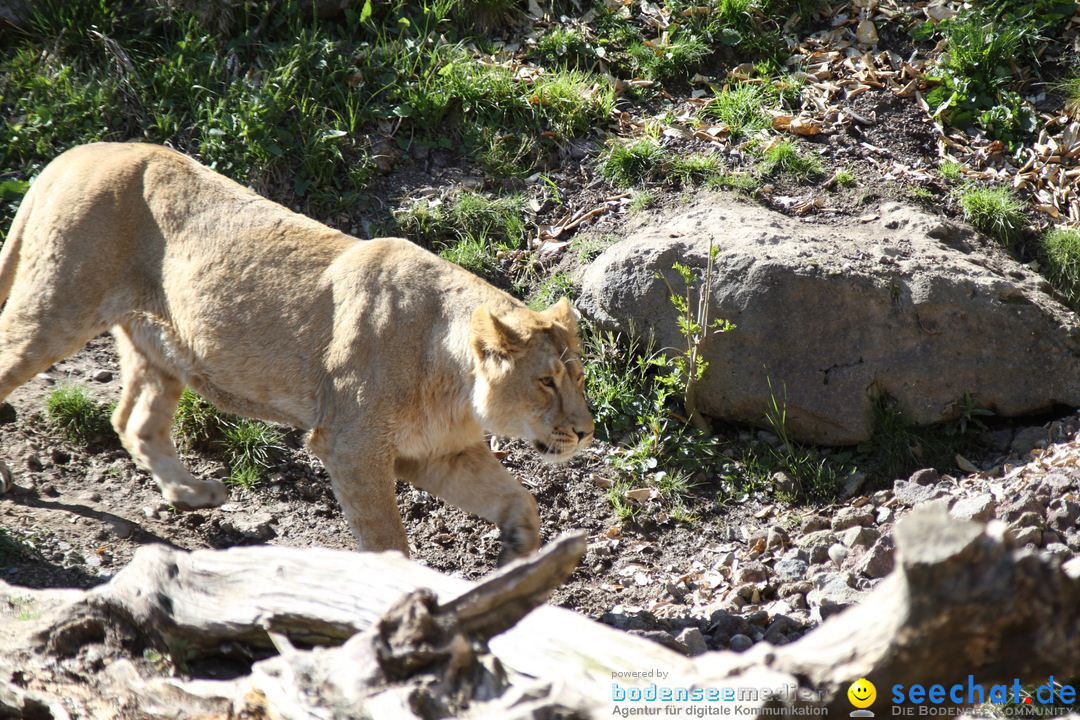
x=862 y=694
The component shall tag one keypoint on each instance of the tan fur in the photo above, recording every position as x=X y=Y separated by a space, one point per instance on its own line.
x=396 y=360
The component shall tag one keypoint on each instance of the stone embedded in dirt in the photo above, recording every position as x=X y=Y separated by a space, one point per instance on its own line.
x=33 y=463
x=790 y=569
x=120 y=528
x=740 y=643
x=853 y=484
x=859 y=537
x=850 y=517
x=777 y=539
x=257 y=526
x=1026 y=536
x=1062 y=514
x=879 y=560
x=784 y=483
x=813 y=523
x=693 y=641
x=1057 y=484
x=60 y=457
x=926 y=476
x=101 y=376
x=831 y=317
x=1027 y=439
x=913 y=494
x=751 y=572
x=978 y=508
x=662 y=638
x=1018 y=506
x=832 y=596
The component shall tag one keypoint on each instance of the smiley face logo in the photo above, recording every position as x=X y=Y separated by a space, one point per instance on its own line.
x=862 y=693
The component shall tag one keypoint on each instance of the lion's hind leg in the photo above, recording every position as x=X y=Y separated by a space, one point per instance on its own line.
x=143 y=419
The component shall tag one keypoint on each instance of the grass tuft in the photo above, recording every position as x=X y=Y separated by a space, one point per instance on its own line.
x=81 y=419
x=630 y=164
x=1061 y=247
x=995 y=211
x=783 y=158
x=743 y=108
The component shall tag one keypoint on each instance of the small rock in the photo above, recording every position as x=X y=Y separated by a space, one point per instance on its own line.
x=33 y=463
x=831 y=597
x=60 y=457
x=819 y=554
x=879 y=560
x=884 y=515
x=926 y=476
x=1026 y=536
x=7 y=414
x=1062 y=514
x=838 y=553
x=693 y=640
x=1029 y=519
x=1027 y=439
x=850 y=517
x=256 y=526
x=912 y=494
x=784 y=483
x=853 y=485
x=813 y=523
x=816 y=538
x=740 y=643
x=1058 y=549
x=662 y=638
x=751 y=572
x=859 y=537
x=101 y=376
x=790 y=569
x=1057 y=484
x=979 y=508
x=121 y=529
x=1019 y=506
x=777 y=539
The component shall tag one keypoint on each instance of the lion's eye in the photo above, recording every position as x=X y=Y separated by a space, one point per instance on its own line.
x=548 y=382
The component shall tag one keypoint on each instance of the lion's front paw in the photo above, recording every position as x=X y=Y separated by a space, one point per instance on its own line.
x=198 y=494
x=517 y=541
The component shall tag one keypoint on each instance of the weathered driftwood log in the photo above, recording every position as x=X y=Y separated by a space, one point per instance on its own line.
x=961 y=602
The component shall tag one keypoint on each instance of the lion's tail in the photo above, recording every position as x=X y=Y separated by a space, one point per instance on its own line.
x=9 y=253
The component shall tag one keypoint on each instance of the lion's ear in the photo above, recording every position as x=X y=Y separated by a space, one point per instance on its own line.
x=492 y=337
x=563 y=313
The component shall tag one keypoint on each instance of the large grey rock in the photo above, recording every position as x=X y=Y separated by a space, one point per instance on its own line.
x=911 y=306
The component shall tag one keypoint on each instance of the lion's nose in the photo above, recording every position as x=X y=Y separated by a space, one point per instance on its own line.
x=582 y=434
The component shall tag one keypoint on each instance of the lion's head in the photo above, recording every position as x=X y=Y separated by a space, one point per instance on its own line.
x=530 y=381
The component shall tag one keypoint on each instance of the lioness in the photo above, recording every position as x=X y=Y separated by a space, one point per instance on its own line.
x=397 y=361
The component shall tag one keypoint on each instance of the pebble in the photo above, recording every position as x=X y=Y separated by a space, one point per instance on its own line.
x=33 y=463
x=790 y=569
x=978 y=508
x=740 y=642
x=121 y=529
x=693 y=640
x=912 y=494
x=838 y=553
x=926 y=476
x=850 y=517
x=879 y=560
x=101 y=376
x=256 y=526
x=859 y=537
x=1026 y=536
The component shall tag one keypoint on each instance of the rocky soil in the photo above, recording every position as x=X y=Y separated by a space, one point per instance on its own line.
x=741 y=573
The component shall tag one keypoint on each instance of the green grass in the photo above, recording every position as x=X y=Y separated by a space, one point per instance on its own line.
x=694 y=169
x=995 y=211
x=641 y=200
x=678 y=56
x=248 y=446
x=634 y=163
x=464 y=214
x=1061 y=248
x=476 y=253
x=844 y=178
x=743 y=182
x=77 y=415
x=626 y=164
x=15 y=548
x=197 y=424
x=588 y=246
x=551 y=289
x=951 y=170
x=742 y=108
x=920 y=193
x=784 y=158
x=565 y=46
